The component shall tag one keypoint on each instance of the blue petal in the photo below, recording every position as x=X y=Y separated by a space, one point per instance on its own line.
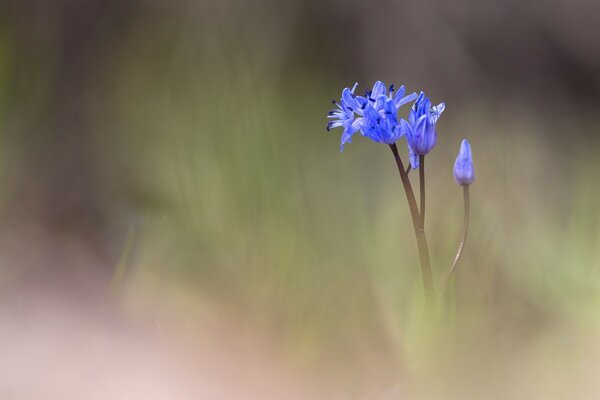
x=349 y=131
x=425 y=106
x=399 y=94
x=390 y=110
x=380 y=101
x=417 y=106
x=350 y=100
x=356 y=125
x=418 y=139
x=406 y=129
x=404 y=100
x=334 y=124
x=346 y=138
x=413 y=157
x=378 y=89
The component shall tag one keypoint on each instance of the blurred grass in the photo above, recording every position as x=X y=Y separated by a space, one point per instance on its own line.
x=247 y=206
x=250 y=202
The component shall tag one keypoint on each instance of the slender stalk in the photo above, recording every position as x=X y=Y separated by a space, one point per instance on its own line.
x=422 y=189
x=408 y=169
x=419 y=232
x=464 y=237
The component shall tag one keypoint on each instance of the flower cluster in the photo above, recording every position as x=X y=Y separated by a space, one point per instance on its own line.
x=375 y=115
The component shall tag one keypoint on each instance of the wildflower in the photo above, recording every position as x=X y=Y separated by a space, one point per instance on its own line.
x=381 y=113
x=463 y=166
x=375 y=114
x=420 y=129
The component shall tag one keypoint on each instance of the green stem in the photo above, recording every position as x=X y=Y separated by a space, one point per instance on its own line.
x=464 y=237
x=419 y=232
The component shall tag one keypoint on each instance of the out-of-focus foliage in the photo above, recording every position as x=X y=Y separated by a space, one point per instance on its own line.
x=201 y=129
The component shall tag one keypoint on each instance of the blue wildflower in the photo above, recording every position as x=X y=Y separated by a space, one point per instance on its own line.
x=420 y=129
x=375 y=114
x=463 y=166
x=381 y=113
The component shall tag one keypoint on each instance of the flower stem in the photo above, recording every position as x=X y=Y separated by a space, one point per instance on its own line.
x=419 y=231
x=422 y=189
x=464 y=237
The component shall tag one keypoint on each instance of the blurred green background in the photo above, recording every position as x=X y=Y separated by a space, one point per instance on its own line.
x=170 y=158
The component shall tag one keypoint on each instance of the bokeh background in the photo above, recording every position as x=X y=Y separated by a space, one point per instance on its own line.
x=176 y=222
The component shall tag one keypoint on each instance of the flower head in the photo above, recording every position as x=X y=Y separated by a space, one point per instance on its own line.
x=420 y=128
x=375 y=114
x=463 y=166
x=380 y=122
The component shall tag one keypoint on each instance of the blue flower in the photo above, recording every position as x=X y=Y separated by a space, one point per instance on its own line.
x=375 y=114
x=420 y=129
x=381 y=113
x=463 y=166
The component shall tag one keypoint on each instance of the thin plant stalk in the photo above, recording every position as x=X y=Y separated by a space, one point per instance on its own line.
x=461 y=246
x=419 y=232
x=422 y=189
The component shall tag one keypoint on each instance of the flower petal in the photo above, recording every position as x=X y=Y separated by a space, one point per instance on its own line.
x=378 y=89
x=404 y=100
x=413 y=157
x=436 y=111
